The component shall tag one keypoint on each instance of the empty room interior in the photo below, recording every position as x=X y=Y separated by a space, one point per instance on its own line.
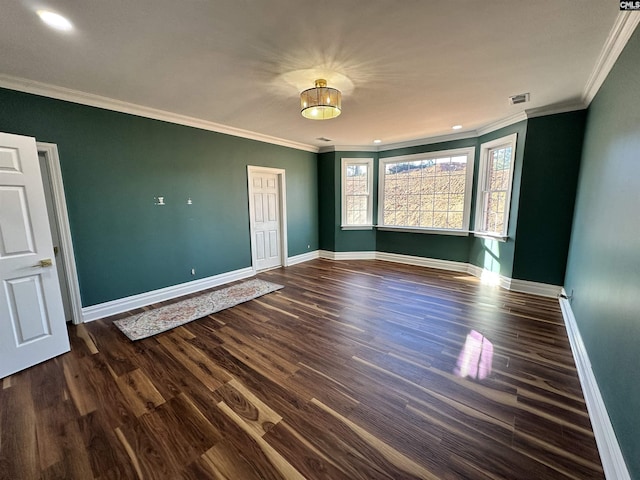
x=320 y=240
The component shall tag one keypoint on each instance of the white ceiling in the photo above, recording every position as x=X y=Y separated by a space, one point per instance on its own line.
x=409 y=69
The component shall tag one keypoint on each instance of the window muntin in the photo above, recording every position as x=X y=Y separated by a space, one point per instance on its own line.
x=427 y=191
x=357 y=204
x=495 y=185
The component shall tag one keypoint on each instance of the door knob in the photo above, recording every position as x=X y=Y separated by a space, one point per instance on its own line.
x=45 y=262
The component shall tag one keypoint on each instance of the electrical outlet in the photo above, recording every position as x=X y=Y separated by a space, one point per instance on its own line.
x=193 y=271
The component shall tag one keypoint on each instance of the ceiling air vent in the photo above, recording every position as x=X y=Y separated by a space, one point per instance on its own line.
x=520 y=98
x=323 y=139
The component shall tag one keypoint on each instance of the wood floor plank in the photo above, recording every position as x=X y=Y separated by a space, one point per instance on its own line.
x=18 y=426
x=146 y=452
x=256 y=415
x=194 y=360
x=308 y=459
x=107 y=455
x=393 y=460
x=228 y=462
x=139 y=392
x=348 y=372
x=79 y=389
x=280 y=467
x=50 y=424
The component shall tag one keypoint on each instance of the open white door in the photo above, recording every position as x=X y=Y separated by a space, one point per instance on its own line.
x=32 y=323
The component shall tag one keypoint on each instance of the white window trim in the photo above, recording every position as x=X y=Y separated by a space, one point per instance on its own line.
x=470 y=152
x=482 y=178
x=357 y=161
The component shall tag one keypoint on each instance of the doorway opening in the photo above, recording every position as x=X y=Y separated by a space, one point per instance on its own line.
x=60 y=230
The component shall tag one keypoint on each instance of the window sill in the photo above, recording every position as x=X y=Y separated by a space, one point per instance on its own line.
x=430 y=231
x=356 y=227
x=491 y=236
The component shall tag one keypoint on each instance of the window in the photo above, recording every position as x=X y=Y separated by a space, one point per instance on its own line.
x=494 y=186
x=357 y=203
x=428 y=191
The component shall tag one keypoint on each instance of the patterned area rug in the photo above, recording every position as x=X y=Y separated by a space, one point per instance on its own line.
x=165 y=318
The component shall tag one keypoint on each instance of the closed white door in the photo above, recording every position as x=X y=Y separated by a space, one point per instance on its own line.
x=32 y=322
x=266 y=220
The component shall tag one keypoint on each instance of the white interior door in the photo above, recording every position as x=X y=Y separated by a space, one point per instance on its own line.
x=32 y=322
x=266 y=220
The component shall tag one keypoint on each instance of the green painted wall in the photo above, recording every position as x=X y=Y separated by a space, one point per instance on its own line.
x=114 y=164
x=333 y=238
x=327 y=181
x=603 y=269
x=442 y=247
x=547 y=195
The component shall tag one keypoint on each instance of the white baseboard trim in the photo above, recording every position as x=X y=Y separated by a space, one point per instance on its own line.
x=347 y=255
x=121 y=305
x=613 y=462
x=489 y=277
x=535 y=288
x=102 y=310
x=492 y=278
x=303 y=257
x=422 y=261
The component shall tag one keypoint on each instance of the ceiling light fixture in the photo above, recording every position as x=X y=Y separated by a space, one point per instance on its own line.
x=456 y=127
x=377 y=140
x=321 y=102
x=55 y=20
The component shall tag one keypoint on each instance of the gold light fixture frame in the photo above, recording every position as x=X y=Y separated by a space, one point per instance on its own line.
x=321 y=102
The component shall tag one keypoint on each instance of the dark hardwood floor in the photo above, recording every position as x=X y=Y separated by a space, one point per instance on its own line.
x=346 y=373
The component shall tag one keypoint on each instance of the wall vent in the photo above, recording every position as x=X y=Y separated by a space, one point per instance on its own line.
x=520 y=98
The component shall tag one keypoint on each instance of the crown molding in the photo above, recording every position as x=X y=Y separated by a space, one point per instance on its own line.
x=429 y=141
x=488 y=128
x=394 y=146
x=622 y=29
x=505 y=122
x=75 y=96
x=83 y=98
x=348 y=148
x=555 y=109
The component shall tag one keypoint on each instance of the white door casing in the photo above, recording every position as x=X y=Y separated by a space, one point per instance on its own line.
x=267 y=216
x=32 y=323
x=266 y=220
x=55 y=236
x=50 y=153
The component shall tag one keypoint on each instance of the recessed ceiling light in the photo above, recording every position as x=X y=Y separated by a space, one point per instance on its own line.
x=377 y=140
x=456 y=127
x=55 y=20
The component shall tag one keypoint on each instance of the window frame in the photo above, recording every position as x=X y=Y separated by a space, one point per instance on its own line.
x=469 y=152
x=346 y=162
x=483 y=175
